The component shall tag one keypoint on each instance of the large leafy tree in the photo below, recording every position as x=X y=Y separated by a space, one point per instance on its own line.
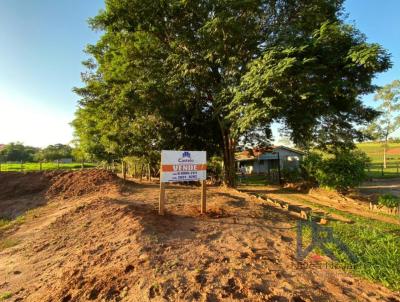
x=211 y=74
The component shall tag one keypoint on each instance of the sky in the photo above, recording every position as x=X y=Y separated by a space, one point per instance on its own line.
x=41 y=50
x=42 y=46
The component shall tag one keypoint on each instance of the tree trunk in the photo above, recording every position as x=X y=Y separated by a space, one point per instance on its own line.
x=229 y=145
x=384 y=152
x=384 y=156
x=141 y=172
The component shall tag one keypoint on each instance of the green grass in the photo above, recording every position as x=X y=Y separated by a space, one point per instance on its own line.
x=4 y=223
x=376 y=244
x=28 y=167
x=252 y=180
x=4 y=296
x=7 y=243
x=374 y=151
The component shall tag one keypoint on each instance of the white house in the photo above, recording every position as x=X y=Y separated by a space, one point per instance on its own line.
x=266 y=160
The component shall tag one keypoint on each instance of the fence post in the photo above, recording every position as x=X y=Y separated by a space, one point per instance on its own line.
x=40 y=166
x=149 y=172
x=22 y=166
x=382 y=170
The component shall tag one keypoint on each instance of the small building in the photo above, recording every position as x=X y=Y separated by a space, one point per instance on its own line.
x=64 y=160
x=267 y=160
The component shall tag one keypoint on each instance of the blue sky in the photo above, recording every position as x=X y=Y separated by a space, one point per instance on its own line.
x=41 y=49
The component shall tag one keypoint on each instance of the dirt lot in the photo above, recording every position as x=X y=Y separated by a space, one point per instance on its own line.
x=90 y=237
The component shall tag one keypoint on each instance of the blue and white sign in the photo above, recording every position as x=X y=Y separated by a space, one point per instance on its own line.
x=179 y=166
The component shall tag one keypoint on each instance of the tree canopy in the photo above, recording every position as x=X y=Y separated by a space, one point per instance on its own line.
x=54 y=152
x=215 y=74
x=17 y=152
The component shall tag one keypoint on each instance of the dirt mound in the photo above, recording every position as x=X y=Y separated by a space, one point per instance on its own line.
x=64 y=184
x=117 y=248
x=15 y=184
x=78 y=183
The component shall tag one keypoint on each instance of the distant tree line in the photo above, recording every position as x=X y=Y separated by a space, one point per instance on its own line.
x=16 y=152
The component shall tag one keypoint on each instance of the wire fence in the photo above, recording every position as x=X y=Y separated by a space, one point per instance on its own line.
x=42 y=166
x=379 y=170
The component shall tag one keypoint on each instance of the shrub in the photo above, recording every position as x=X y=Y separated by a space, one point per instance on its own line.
x=214 y=169
x=291 y=175
x=310 y=165
x=389 y=200
x=340 y=171
x=343 y=171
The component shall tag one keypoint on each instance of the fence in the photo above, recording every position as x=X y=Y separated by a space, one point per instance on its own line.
x=378 y=170
x=41 y=166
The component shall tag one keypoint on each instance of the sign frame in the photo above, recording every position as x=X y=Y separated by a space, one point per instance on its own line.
x=188 y=166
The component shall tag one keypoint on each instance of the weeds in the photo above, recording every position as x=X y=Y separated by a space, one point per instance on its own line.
x=6 y=223
x=6 y=295
x=7 y=243
x=376 y=244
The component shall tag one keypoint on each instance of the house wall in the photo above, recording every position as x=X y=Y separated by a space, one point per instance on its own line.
x=288 y=159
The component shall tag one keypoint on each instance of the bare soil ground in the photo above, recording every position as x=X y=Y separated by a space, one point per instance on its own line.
x=357 y=204
x=102 y=240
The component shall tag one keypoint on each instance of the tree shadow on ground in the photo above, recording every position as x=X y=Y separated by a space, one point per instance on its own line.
x=176 y=225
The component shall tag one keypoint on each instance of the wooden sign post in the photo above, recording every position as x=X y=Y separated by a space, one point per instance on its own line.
x=161 y=205
x=203 y=197
x=182 y=166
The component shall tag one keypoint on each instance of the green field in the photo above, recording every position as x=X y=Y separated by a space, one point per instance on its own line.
x=374 y=243
x=374 y=150
x=28 y=167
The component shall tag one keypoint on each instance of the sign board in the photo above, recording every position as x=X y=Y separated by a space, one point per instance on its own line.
x=179 y=166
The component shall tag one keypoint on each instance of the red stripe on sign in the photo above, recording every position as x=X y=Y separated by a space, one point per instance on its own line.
x=174 y=168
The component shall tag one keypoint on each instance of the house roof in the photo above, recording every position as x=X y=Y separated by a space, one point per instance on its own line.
x=290 y=149
x=2 y=146
x=254 y=153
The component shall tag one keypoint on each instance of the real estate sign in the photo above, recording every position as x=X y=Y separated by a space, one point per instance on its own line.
x=179 y=166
